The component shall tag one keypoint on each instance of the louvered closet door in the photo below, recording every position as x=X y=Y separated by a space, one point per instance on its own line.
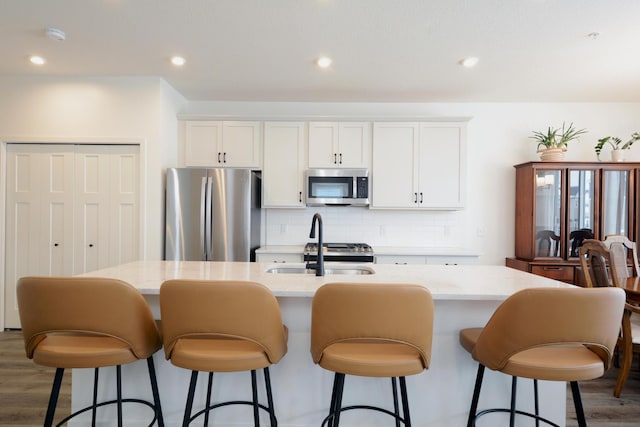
x=39 y=216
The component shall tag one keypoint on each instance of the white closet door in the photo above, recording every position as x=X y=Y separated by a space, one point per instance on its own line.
x=70 y=209
x=107 y=219
x=39 y=216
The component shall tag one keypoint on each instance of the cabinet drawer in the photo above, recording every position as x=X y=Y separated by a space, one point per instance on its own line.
x=564 y=273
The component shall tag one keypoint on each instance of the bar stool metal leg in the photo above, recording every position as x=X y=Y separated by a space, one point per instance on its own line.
x=119 y=393
x=254 y=390
x=396 y=410
x=154 y=389
x=208 y=401
x=476 y=396
x=189 y=405
x=405 y=401
x=53 y=398
x=267 y=384
x=512 y=413
x=94 y=408
x=577 y=401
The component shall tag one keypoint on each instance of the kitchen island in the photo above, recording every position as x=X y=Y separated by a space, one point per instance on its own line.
x=465 y=296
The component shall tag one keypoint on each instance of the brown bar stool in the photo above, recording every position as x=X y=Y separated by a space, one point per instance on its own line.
x=372 y=330
x=222 y=326
x=551 y=334
x=79 y=322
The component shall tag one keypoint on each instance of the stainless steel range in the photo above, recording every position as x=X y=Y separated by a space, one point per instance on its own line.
x=341 y=252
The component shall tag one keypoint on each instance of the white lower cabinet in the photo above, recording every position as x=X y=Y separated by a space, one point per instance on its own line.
x=279 y=258
x=400 y=259
x=427 y=259
x=69 y=209
x=284 y=165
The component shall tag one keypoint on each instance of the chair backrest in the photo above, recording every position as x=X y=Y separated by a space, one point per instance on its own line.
x=622 y=250
x=384 y=312
x=539 y=317
x=83 y=305
x=594 y=260
x=230 y=309
x=605 y=262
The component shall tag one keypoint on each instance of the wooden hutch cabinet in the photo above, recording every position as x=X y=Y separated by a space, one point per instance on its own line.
x=559 y=204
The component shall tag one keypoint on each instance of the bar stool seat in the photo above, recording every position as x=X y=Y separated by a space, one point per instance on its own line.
x=371 y=330
x=222 y=326
x=552 y=334
x=218 y=355
x=370 y=358
x=84 y=322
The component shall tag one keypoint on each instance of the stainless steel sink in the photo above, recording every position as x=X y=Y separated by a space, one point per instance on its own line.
x=349 y=270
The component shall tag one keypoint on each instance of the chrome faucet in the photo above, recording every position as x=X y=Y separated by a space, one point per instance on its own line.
x=318 y=266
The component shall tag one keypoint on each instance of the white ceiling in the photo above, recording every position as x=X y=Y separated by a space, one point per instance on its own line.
x=382 y=50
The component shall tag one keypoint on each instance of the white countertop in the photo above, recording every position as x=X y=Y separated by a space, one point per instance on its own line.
x=446 y=282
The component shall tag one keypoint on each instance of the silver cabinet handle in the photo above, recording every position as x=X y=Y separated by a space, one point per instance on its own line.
x=415 y=197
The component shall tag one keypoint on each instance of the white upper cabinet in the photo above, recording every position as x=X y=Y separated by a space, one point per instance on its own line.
x=339 y=144
x=419 y=165
x=283 y=171
x=223 y=144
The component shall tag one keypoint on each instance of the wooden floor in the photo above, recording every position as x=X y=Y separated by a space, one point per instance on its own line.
x=25 y=388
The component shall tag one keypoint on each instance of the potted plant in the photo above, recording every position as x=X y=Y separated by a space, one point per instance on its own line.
x=552 y=144
x=617 y=144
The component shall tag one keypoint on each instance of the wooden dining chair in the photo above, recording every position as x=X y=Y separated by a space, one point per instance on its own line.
x=606 y=263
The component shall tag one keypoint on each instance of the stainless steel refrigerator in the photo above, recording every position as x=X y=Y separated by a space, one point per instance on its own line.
x=212 y=214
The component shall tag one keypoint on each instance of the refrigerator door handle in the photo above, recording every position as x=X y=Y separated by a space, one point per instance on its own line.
x=208 y=224
x=203 y=216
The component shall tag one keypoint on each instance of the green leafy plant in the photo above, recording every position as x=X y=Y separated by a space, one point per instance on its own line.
x=616 y=143
x=557 y=138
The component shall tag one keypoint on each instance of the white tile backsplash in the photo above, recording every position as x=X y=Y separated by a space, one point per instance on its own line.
x=375 y=227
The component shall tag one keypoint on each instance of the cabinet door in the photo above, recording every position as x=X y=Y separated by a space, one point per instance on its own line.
x=241 y=144
x=548 y=213
x=107 y=209
x=323 y=145
x=581 y=208
x=339 y=144
x=39 y=217
x=615 y=202
x=400 y=259
x=442 y=168
x=394 y=172
x=283 y=172
x=354 y=145
x=203 y=143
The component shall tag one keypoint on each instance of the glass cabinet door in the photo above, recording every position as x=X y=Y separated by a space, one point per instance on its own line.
x=581 y=208
x=615 y=202
x=548 y=212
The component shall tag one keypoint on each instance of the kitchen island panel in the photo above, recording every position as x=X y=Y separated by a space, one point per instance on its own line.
x=465 y=296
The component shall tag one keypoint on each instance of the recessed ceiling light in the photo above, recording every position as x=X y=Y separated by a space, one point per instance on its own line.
x=324 y=62
x=469 y=62
x=37 y=60
x=178 y=61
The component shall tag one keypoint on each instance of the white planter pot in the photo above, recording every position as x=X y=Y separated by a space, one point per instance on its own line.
x=617 y=155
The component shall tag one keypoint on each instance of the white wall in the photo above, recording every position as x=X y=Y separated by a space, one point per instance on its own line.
x=498 y=138
x=102 y=110
x=145 y=109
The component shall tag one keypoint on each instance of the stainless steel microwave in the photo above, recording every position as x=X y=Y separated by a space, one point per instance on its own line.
x=338 y=187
